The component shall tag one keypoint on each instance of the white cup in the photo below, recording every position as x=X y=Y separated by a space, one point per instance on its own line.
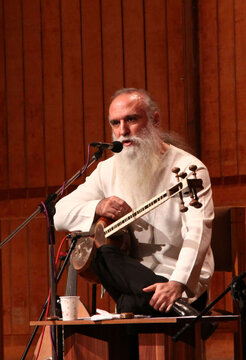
x=69 y=306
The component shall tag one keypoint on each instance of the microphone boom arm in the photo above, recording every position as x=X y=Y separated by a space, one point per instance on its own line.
x=52 y=197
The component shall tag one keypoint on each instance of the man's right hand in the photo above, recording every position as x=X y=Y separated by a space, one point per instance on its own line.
x=112 y=207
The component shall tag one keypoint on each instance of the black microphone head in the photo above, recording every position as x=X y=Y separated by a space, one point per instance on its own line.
x=118 y=146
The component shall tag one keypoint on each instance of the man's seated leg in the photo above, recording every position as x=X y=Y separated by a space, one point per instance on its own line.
x=124 y=278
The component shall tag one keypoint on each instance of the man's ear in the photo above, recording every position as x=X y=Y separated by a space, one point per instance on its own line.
x=156 y=120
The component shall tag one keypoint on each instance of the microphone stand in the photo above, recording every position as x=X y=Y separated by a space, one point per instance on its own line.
x=72 y=246
x=238 y=292
x=53 y=196
x=48 y=206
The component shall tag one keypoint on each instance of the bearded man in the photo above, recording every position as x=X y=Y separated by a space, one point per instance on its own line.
x=173 y=261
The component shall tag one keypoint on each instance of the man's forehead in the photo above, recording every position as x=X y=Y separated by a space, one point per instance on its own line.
x=127 y=100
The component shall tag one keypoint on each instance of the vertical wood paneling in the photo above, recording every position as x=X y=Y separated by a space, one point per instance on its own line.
x=84 y=291
x=222 y=74
x=176 y=66
x=156 y=55
x=105 y=302
x=229 y=165
x=53 y=91
x=228 y=297
x=19 y=281
x=34 y=132
x=134 y=44
x=92 y=71
x=209 y=91
x=38 y=281
x=1 y=305
x=240 y=30
x=26 y=269
x=219 y=282
x=3 y=113
x=6 y=278
x=15 y=95
x=191 y=79
x=72 y=84
x=112 y=50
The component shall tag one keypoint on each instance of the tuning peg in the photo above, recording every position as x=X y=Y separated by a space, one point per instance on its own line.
x=183 y=208
x=176 y=170
x=195 y=203
x=193 y=168
x=193 y=194
x=182 y=175
x=194 y=199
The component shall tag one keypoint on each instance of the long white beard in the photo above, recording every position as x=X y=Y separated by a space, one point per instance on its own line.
x=137 y=166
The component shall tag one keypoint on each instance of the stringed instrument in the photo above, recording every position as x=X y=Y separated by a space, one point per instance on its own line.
x=108 y=232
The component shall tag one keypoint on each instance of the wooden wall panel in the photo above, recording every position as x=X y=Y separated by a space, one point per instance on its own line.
x=191 y=78
x=25 y=286
x=19 y=275
x=3 y=105
x=229 y=194
x=38 y=265
x=15 y=93
x=134 y=46
x=6 y=278
x=1 y=307
x=240 y=46
x=72 y=87
x=157 y=56
x=112 y=50
x=32 y=67
x=52 y=91
x=227 y=116
x=62 y=59
x=222 y=81
x=176 y=66
x=93 y=97
x=26 y=281
x=210 y=127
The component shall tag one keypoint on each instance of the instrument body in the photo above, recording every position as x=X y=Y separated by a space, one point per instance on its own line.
x=108 y=232
x=86 y=246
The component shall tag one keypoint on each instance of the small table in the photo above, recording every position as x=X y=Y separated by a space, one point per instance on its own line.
x=133 y=338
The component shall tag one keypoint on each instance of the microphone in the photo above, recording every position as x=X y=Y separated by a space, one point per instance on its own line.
x=115 y=146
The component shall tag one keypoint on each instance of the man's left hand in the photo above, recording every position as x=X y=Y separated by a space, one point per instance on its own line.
x=165 y=294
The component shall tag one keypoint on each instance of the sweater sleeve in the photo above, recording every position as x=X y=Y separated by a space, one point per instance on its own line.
x=76 y=211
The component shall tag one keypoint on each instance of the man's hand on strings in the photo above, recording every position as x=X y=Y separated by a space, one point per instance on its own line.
x=165 y=294
x=112 y=207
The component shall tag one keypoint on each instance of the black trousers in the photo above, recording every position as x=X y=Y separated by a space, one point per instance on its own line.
x=124 y=278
